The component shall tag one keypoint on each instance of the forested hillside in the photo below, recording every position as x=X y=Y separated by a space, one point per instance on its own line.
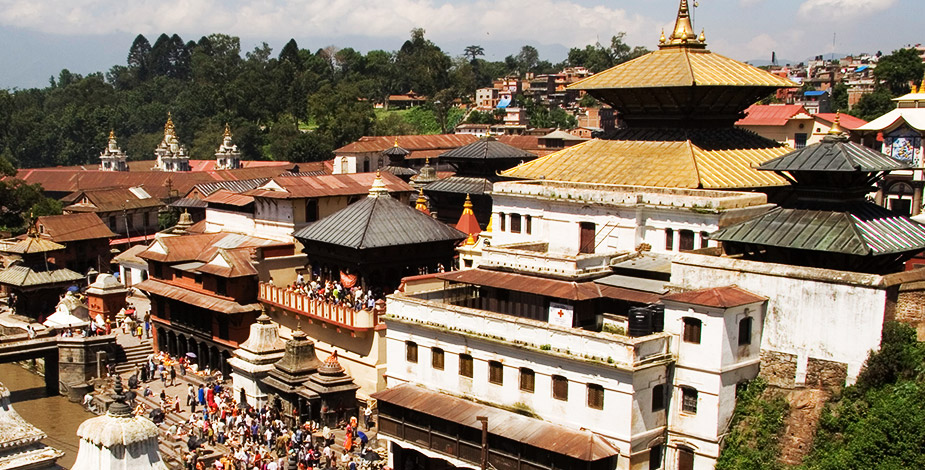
x=294 y=105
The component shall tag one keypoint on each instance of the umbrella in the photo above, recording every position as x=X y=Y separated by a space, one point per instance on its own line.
x=191 y=355
x=73 y=289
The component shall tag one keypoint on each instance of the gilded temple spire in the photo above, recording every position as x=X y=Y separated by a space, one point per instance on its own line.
x=683 y=34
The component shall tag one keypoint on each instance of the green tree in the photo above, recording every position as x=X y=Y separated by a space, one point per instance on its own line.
x=139 y=57
x=421 y=65
x=897 y=70
x=873 y=105
x=840 y=97
x=473 y=52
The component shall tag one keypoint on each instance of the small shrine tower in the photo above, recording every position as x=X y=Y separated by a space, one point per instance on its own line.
x=106 y=297
x=254 y=360
x=227 y=157
x=170 y=155
x=113 y=158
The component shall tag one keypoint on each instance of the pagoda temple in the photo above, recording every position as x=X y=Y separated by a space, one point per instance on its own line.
x=828 y=221
x=679 y=105
x=36 y=282
x=398 y=166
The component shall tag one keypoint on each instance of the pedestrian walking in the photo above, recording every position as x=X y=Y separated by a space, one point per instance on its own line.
x=173 y=376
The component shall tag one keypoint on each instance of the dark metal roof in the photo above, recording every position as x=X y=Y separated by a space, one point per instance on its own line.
x=189 y=202
x=400 y=171
x=239 y=186
x=395 y=151
x=718 y=297
x=376 y=222
x=461 y=185
x=487 y=149
x=858 y=228
x=582 y=445
x=834 y=154
x=569 y=290
x=635 y=283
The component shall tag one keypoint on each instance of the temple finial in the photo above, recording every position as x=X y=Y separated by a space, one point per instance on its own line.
x=227 y=131
x=836 y=125
x=112 y=134
x=683 y=33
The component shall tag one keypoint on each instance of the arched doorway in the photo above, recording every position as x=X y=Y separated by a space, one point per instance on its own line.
x=226 y=369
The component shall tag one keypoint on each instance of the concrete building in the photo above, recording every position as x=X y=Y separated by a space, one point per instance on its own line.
x=793 y=125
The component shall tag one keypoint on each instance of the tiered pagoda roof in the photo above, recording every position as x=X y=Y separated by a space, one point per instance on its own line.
x=829 y=223
x=680 y=104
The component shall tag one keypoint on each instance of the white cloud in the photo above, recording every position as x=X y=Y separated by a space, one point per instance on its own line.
x=840 y=10
x=560 y=21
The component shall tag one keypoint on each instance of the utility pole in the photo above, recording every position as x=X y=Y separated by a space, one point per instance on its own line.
x=484 y=421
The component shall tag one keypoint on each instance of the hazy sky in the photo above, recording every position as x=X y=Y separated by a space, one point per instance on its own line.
x=40 y=37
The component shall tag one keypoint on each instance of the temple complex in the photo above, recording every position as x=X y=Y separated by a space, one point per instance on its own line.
x=34 y=280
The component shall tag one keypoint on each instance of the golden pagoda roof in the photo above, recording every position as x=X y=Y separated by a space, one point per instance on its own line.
x=681 y=67
x=667 y=164
x=34 y=244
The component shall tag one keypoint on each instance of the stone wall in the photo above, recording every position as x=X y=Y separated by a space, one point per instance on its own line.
x=910 y=307
x=778 y=368
x=825 y=375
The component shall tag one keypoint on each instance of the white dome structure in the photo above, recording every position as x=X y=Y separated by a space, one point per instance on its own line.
x=118 y=440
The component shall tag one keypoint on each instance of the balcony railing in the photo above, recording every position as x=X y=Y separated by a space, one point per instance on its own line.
x=341 y=316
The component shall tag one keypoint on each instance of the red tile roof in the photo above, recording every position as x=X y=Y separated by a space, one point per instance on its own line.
x=73 y=227
x=717 y=297
x=770 y=114
x=71 y=179
x=846 y=121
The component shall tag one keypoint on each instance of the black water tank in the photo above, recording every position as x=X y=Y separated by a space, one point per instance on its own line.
x=658 y=317
x=640 y=321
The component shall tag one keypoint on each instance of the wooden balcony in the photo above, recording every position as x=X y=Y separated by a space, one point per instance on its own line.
x=338 y=316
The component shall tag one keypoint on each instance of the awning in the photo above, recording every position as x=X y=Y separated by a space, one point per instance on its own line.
x=569 y=290
x=582 y=445
x=136 y=239
x=198 y=299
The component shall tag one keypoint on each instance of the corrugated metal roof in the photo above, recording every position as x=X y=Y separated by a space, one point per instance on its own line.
x=413 y=143
x=846 y=121
x=718 y=297
x=859 y=228
x=487 y=149
x=131 y=256
x=681 y=67
x=239 y=186
x=349 y=184
x=400 y=171
x=189 y=202
x=110 y=200
x=26 y=276
x=834 y=154
x=34 y=244
x=568 y=290
x=461 y=185
x=153 y=286
x=582 y=445
x=378 y=222
x=672 y=164
x=226 y=197
x=72 y=227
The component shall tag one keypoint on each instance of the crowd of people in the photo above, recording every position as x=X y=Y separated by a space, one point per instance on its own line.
x=334 y=292
x=246 y=438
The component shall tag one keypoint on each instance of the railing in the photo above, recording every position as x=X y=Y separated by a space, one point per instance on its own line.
x=316 y=309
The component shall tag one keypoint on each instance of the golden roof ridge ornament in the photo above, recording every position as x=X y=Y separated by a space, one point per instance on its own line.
x=836 y=125
x=683 y=34
x=227 y=131
x=169 y=128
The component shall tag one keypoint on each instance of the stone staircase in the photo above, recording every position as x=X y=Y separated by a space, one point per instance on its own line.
x=132 y=356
